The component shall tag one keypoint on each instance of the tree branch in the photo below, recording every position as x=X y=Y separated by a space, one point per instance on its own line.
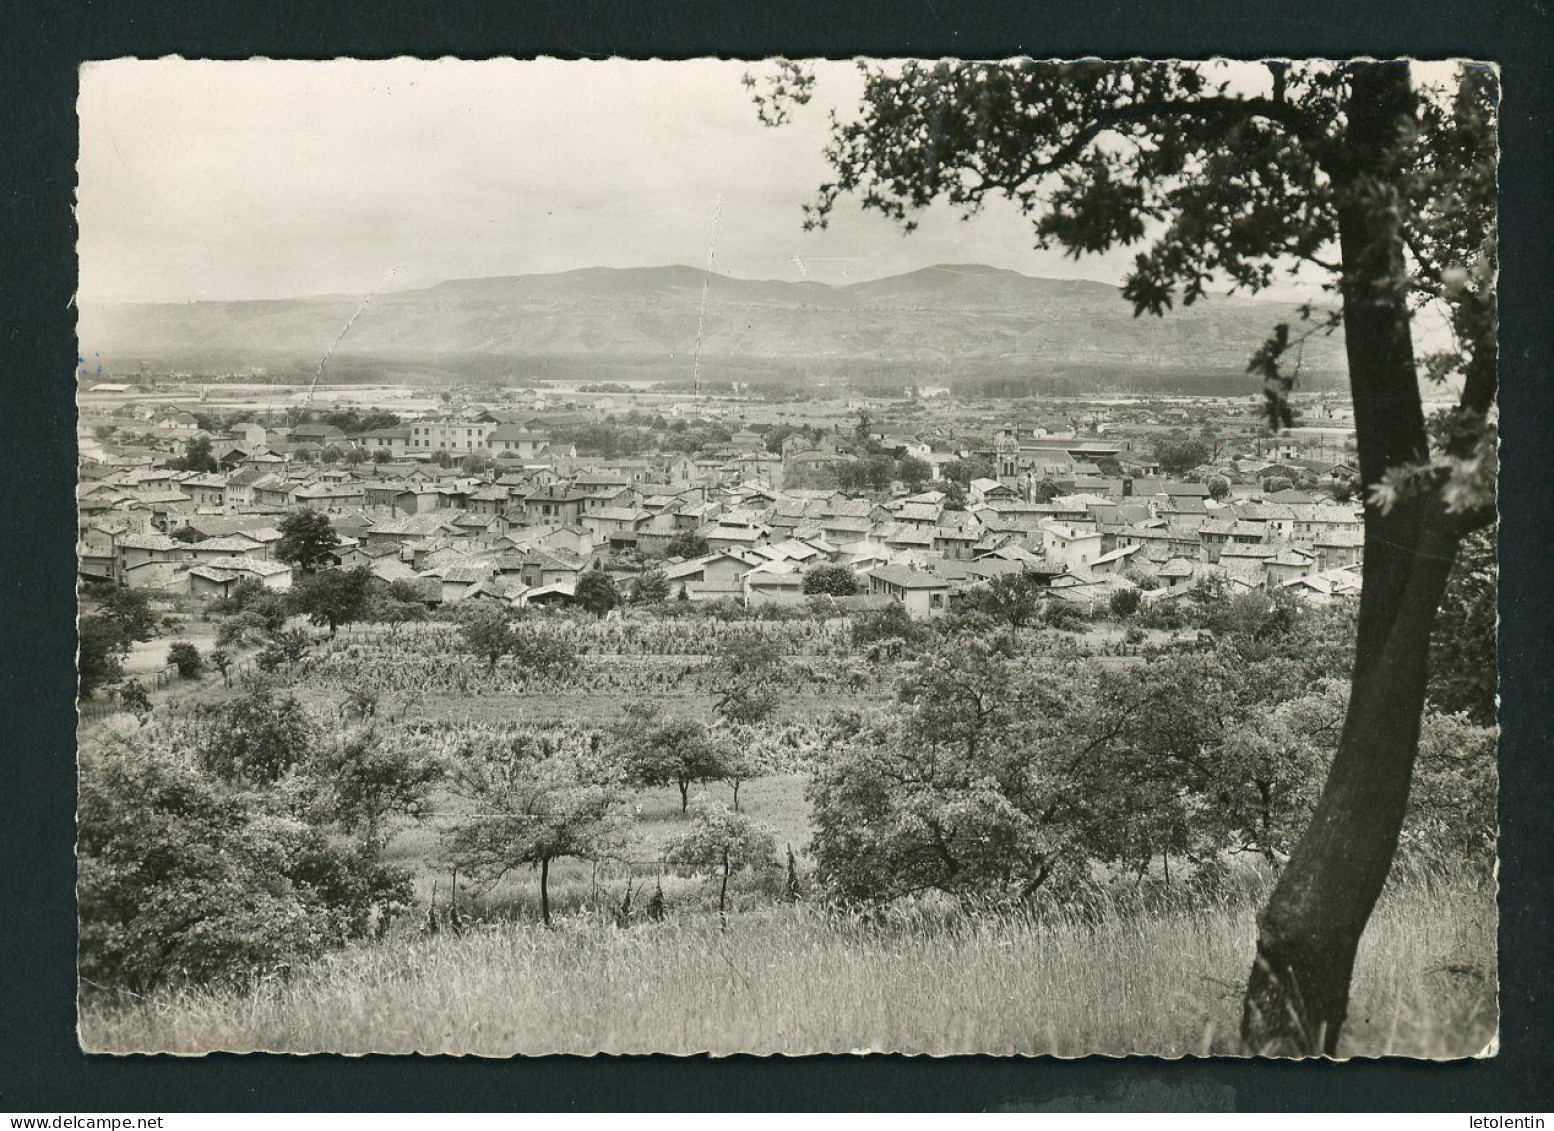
x=1280 y=113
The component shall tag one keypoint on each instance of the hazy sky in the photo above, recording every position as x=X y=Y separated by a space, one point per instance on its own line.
x=260 y=179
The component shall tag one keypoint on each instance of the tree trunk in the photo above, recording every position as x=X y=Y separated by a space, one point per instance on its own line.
x=545 y=890
x=685 y=795
x=723 y=893
x=737 y=784
x=1297 y=994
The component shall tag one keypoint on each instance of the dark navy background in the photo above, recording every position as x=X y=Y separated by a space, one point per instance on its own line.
x=41 y=44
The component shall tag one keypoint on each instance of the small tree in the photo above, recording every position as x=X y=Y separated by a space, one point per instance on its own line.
x=686 y=544
x=367 y=777
x=100 y=661
x=1014 y=598
x=251 y=598
x=650 y=587
x=596 y=592
x=308 y=541
x=835 y=580
x=1178 y=454
x=128 y=611
x=389 y=610
x=487 y=633
x=887 y=630
x=1125 y=602
x=133 y=697
x=722 y=839
x=333 y=597
x=913 y=472
x=1219 y=487
x=544 y=653
x=286 y=648
x=533 y=803
x=672 y=751
x=196 y=456
x=186 y=658
x=257 y=739
x=221 y=660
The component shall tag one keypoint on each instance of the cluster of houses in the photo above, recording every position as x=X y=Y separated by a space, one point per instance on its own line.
x=525 y=530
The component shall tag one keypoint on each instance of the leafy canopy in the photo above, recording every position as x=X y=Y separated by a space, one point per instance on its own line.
x=1221 y=174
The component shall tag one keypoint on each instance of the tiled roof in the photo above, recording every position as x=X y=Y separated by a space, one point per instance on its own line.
x=908 y=578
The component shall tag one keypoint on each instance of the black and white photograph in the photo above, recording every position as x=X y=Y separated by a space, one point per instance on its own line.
x=788 y=556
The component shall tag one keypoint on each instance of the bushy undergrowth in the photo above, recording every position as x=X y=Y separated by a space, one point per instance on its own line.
x=184 y=880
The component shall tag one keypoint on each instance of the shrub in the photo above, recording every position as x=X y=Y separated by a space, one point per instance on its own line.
x=891 y=627
x=186 y=658
x=1064 y=616
x=133 y=697
x=182 y=881
x=100 y=661
x=257 y=738
x=596 y=592
x=650 y=588
x=838 y=581
x=1125 y=602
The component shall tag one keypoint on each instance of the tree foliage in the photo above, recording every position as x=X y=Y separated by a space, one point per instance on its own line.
x=596 y=592
x=196 y=456
x=534 y=800
x=686 y=544
x=257 y=738
x=184 y=656
x=668 y=750
x=723 y=840
x=308 y=541
x=367 y=776
x=100 y=659
x=487 y=632
x=1010 y=598
x=1463 y=675
x=183 y=881
x=1179 y=454
x=650 y=587
x=838 y=581
x=333 y=597
x=128 y=612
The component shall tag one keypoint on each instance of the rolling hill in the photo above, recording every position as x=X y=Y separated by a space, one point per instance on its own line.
x=959 y=317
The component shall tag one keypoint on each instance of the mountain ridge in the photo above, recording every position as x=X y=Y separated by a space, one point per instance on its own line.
x=941 y=315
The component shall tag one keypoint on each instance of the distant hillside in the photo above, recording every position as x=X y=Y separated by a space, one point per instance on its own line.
x=961 y=318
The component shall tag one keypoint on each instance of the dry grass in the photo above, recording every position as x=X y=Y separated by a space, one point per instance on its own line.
x=794 y=979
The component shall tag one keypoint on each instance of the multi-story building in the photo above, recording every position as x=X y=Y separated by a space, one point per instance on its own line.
x=427 y=436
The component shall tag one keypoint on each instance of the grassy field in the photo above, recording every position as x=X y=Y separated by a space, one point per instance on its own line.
x=794 y=979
